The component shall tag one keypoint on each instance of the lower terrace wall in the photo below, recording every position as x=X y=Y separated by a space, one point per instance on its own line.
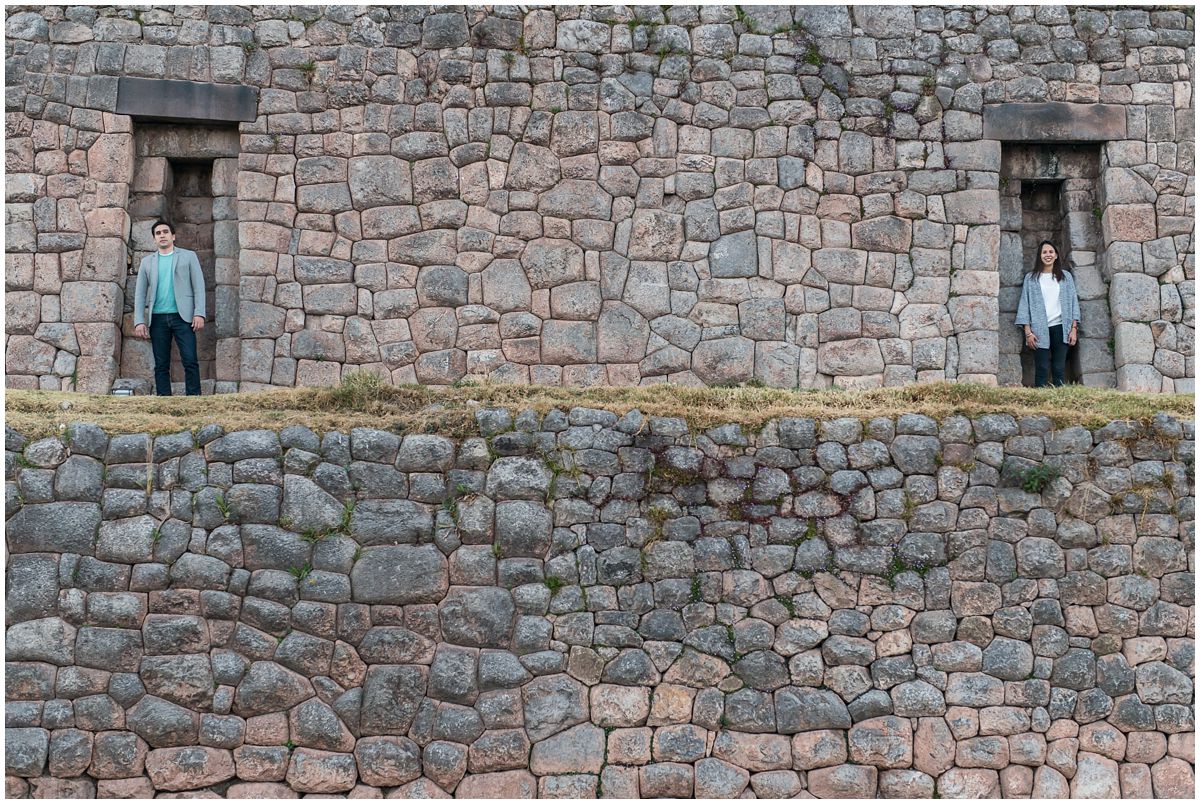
x=582 y=604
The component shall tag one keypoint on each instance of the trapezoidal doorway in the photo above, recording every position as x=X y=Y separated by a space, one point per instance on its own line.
x=188 y=176
x=1049 y=192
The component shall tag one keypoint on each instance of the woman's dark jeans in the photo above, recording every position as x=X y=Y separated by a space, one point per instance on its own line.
x=163 y=327
x=1052 y=359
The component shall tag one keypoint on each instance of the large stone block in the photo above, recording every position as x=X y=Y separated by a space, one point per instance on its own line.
x=566 y=343
x=724 y=360
x=656 y=235
x=91 y=301
x=734 y=255
x=888 y=233
x=1049 y=122
x=850 y=358
x=379 y=181
x=551 y=261
x=972 y=206
x=1134 y=297
x=400 y=575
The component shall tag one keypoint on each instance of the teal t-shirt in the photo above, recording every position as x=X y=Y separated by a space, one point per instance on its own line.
x=164 y=289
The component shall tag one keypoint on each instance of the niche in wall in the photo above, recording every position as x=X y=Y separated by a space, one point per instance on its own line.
x=1048 y=192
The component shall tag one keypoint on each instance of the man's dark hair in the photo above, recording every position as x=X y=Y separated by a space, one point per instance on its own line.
x=159 y=223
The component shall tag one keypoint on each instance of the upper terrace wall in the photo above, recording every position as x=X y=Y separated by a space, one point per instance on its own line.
x=607 y=194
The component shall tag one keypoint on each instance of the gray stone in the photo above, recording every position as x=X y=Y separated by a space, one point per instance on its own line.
x=481 y=617
x=734 y=255
x=552 y=704
x=800 y=709
x=270 y=687
x=400 y=575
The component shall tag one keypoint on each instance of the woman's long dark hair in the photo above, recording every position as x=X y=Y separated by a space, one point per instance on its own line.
x=1058 y=261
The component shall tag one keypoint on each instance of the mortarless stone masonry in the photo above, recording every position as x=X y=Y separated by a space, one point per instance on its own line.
x=583 y=604
x=584 y=195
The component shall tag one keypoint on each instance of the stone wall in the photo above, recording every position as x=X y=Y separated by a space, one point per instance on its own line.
x=583 y=604
x=583 y=195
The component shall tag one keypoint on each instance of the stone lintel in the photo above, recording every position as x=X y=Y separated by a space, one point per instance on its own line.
x=1054 y=122
x=186 y=101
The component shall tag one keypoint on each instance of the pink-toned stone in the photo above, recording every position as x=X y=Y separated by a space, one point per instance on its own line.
x=1062 y=755
x=843 y=781
x=672 y=703
x=271 y=729
x=933 y=746
x=365 y=791
x=504 y=784
x=818 y=749
x=885 y=742
x=387 y=761
x=49 y=787
x=905 y=784
x=1136 y=781
x=260 y=790
x=419 y=788
x=1027 y=749
x=1145 y=746
x=1102 y=738
x=118 y=755
x=776 y=784
x=312 y=771
x=91 y=301
x=629 y=746
x=139 y=787
x=188 y=768
x=1049 y=783
x=619 y=782
x=1095 y=777
x=616 y=705
x=1182 y=745
x=716 y=778
x=1173 y=778
x=969 y=783
x=665 y=780
x=982 y=752
x=1016 y=781
x=579 y=749
x=499 y=750
x=110 y=159
x=754 y=752
x=573 y=786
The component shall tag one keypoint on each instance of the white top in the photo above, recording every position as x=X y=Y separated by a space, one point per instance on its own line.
x=1050 y=296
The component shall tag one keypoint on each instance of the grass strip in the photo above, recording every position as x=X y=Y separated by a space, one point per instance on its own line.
x=363 y=400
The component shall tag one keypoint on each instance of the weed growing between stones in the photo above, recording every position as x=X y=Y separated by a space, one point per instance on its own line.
x=222 y=505
x=302 y=572
x=1037 y=478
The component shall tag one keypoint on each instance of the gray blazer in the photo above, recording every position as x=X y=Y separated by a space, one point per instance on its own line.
x=189 y=287
x=1031 y=309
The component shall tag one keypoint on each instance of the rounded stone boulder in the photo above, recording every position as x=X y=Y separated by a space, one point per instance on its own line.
x=400 y=575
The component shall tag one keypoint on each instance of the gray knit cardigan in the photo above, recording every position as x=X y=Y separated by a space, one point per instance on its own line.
x=1032 y=308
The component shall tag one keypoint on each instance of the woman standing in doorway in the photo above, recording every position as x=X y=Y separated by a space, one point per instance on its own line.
x=1049 y=311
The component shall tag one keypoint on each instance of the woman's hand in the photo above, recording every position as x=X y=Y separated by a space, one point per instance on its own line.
x=1030 y=339
x=1073 y=336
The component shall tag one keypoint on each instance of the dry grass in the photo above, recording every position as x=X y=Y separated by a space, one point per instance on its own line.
x=361 y=400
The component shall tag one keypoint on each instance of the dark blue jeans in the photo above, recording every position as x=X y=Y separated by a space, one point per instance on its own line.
x=164 y=327
x=1050 y=360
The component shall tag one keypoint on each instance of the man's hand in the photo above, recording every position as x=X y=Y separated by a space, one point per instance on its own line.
x=140 y=331
x=197 y=323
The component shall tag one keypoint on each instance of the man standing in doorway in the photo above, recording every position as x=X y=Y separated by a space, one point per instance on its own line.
x=169 y=297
